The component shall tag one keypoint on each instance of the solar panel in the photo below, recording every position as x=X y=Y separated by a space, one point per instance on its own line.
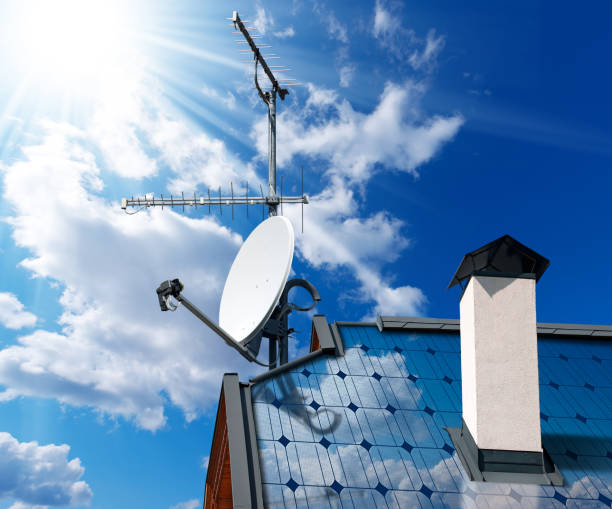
x=367 y=429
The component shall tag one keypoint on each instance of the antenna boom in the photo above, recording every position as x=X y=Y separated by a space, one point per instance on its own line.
x=151 y=201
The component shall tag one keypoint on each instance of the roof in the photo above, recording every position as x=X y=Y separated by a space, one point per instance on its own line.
x=366 y=427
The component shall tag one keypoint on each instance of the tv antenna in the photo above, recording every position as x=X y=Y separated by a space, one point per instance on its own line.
x=255 y=300
x=272 y=200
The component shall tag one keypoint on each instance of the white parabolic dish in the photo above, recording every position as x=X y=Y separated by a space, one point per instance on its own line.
x=257 y=278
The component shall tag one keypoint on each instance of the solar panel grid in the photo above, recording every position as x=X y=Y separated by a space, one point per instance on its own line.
x=366 y=429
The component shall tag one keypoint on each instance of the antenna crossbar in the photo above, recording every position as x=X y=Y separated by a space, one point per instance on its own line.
x=218 y=201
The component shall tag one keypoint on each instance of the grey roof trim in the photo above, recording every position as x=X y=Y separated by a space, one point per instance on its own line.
x=337 y=337
x=247 y=405
x=353 y=324
x=286 y=367
x=451 y=325
x=244 y=458
x=402 y=322
x=330 y=339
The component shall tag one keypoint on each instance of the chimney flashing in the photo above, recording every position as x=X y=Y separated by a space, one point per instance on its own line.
x=487 y=465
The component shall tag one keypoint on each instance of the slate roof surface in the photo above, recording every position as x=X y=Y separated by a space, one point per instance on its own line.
x=366 y=429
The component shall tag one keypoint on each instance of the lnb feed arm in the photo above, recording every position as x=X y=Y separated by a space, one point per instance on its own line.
x=173 y=288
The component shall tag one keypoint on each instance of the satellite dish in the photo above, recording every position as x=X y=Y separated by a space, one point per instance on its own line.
x=257 y=279
x=255 y=301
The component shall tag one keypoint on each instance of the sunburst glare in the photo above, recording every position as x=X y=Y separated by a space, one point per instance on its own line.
x=71 y=37
x=67 y=53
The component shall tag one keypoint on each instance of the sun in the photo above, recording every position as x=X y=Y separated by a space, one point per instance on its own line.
x=67 y=40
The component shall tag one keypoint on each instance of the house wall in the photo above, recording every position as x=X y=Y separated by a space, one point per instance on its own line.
x=218 y=492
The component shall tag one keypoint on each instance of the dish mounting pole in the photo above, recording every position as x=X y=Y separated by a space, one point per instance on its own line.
x=272 y=208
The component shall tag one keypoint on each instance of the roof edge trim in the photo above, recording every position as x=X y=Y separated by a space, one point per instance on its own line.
x=452 y=325
x=328 y=335
x=244 y=458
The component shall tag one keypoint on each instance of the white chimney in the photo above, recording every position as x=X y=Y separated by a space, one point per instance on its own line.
x=499 y=363
x=500 y=438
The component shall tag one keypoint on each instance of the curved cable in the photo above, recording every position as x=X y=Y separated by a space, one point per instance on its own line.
x=261 y=363
x=135 y=212
x=261 y=93
x=309 y=287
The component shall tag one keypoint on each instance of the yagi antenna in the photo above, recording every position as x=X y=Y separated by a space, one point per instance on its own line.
x=271 y=200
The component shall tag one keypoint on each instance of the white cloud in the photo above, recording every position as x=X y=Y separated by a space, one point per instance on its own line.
x=21 y=505
x=116 y=351
x=263 y=20
x=346 y=68
x=229 y=100
x=402 y=43
x=385 y=24
x=205 y=461
x=12 y=315
x=283 y=34
x=335 y=29
x=40 y=475
x=136 y=135
x=189 y=504
x=427 y=56
x=347 y=72
x=395 y=134
x=336 y=237
x=122 y=107
x=196 y=158
x=474 y=91
x=319 y=97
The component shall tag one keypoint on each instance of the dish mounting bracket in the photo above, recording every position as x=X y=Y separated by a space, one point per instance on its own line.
x=277 y=329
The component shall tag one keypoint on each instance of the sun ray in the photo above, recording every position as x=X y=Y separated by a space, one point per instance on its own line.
x=182 y=94
x=185 y=49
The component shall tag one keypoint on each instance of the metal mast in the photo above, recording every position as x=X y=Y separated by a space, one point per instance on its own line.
x=271 y=200
x=269 y=98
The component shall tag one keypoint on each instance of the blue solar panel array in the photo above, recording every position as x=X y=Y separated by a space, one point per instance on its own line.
x=366 y=429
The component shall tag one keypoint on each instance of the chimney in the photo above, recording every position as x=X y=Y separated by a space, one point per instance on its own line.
x=500 y=439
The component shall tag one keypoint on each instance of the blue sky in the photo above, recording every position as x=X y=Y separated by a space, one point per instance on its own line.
x=425 y=130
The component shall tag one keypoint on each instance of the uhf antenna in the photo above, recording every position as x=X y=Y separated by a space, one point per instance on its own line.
x=271 y=200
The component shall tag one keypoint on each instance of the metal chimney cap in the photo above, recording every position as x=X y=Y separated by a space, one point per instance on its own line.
x=505 y=256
